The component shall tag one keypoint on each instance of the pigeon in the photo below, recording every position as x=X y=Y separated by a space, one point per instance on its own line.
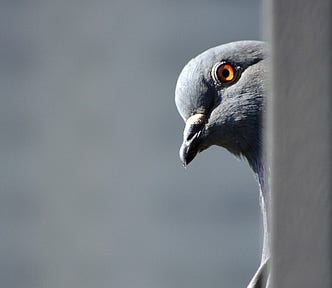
x=220 y=94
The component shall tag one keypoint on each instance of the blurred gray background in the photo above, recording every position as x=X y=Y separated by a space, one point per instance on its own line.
x=92 y=191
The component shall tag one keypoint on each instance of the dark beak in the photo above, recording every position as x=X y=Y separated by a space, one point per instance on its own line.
x=191 y=138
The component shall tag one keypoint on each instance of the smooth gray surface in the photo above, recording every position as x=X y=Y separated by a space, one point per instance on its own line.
x=301 y=140
x=93 y=193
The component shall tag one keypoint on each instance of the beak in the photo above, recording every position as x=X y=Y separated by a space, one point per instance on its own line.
x=191 y=140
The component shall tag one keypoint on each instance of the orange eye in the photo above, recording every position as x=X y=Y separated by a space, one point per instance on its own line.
x=224 y=73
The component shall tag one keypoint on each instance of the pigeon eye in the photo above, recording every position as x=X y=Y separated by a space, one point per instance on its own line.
x=224 y=73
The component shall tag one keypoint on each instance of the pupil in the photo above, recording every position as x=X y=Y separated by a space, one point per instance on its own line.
x=225 y=73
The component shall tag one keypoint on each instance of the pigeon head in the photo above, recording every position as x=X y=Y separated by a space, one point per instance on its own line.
x=219 y=94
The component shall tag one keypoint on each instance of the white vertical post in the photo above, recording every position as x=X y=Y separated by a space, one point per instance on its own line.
x=299 y=134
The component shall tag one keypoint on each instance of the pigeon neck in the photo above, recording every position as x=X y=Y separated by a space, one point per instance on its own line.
x=261 y=177
x=257 y=164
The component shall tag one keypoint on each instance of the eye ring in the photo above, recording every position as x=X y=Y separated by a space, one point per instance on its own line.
x=224 y=73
